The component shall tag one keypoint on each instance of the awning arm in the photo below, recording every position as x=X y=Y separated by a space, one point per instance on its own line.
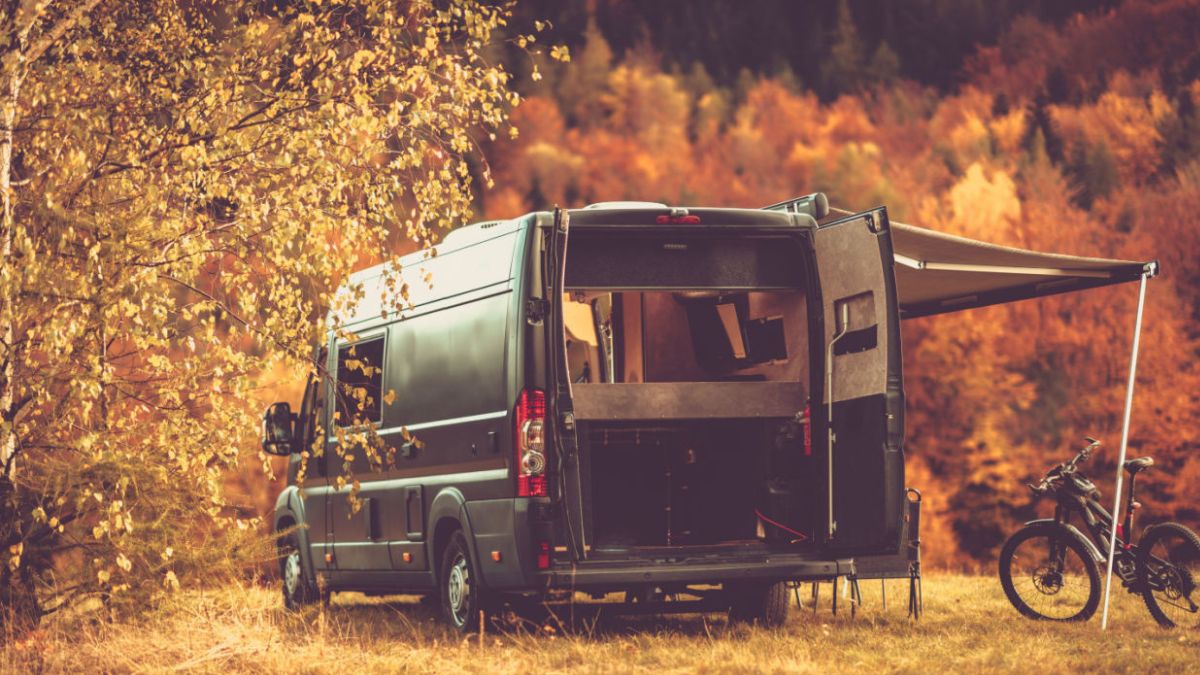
x=1133 y=358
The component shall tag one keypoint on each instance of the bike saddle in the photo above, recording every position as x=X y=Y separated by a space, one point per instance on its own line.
x=1136 y=465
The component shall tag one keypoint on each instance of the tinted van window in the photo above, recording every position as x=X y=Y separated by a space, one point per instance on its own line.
x=453 y=362
x=360 y=382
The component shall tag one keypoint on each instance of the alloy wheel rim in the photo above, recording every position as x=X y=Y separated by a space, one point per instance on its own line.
x=459 y=588
x=291 y=572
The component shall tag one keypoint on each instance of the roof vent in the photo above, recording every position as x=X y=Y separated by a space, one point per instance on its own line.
x=468 y=233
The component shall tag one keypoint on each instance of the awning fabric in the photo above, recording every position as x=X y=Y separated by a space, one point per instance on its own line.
x=938 y=272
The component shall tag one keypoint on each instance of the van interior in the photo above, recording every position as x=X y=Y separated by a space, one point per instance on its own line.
x=690 y=406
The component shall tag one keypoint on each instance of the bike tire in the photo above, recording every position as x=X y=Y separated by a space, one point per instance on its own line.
x=1085 y=563
x=1183 y=580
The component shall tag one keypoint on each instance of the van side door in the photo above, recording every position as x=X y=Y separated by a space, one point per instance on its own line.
x=861 y=417
x=358 y=369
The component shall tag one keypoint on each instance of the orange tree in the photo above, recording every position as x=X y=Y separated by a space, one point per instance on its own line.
x=183 y=184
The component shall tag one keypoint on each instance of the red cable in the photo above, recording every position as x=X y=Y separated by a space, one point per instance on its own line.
x=785 y=528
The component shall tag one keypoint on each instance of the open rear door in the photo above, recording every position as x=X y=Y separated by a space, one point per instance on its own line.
x=561 y=414
x=862 y=386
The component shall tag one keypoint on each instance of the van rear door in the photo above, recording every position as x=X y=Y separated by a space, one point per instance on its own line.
x=561 y=414
x=862 y=396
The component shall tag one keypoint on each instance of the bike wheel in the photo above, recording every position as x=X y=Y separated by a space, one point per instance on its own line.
x=1048 y=574
x=1168 y=574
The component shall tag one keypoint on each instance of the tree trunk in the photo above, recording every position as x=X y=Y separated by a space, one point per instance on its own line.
x=7 y=296
x=19 y=607
x=8 y=438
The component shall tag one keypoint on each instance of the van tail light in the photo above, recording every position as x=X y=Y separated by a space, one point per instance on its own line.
x=543 y=555
x=529 y=440
x=677 y=220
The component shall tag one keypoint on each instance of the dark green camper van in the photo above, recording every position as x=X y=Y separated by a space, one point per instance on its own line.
x=625 y=398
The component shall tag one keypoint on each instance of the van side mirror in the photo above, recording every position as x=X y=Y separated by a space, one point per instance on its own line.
x=278 y=430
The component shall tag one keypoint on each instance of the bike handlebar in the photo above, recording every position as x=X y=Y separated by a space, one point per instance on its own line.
x=1084 y=454
x=1069 y=467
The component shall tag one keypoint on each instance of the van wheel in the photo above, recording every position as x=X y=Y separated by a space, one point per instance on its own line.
x=297 y=589
x=763 y=603
x=462 y=595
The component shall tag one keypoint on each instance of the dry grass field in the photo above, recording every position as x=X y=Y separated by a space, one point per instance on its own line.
x=968 y=627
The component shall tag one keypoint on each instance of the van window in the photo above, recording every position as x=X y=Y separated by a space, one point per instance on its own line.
x=360 y=382
x=451 y=363
x=686 y=336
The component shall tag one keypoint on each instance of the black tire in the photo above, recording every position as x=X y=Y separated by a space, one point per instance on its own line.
x=1169 y=575
x=1041 y=588
x=764 y=603
x=298 y=589
x=458 y=582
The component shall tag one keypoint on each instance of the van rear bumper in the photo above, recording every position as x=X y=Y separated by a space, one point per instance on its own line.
x=613 y=574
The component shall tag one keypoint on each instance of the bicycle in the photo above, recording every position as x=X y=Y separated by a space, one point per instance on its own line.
x=1050 y=570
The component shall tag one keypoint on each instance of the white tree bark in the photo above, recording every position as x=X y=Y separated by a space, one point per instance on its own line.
x=8 y=117
x=30 y=34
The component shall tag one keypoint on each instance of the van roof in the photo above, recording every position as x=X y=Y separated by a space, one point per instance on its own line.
x=643 y=214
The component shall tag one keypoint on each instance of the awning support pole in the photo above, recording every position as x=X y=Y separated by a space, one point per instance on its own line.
x=1133 y=357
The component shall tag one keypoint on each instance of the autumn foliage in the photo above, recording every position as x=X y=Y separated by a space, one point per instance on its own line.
x=1080 y=138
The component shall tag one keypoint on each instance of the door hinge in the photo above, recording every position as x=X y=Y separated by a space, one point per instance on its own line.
x=536 y=310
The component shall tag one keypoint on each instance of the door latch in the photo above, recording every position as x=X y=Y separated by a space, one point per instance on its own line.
x=536 y=310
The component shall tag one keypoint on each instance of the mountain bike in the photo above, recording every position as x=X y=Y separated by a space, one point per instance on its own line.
x=1050 y=570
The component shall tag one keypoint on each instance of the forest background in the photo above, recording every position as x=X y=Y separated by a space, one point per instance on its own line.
x=1069 y=127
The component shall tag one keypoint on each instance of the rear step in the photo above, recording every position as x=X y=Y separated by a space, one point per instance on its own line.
x=723 y=549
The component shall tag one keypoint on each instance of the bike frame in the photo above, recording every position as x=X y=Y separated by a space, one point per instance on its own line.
x=1099 y=522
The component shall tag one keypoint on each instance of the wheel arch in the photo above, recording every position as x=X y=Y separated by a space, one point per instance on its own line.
x=447 y=514
x=289 y=513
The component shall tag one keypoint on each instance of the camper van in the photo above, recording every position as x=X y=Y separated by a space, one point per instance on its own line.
x=664 y=402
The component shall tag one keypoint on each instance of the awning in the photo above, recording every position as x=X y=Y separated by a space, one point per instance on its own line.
x=938 y=272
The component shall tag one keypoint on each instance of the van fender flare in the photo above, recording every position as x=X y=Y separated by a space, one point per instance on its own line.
x=449 y=503
x=1072 y=531
x=289 y=505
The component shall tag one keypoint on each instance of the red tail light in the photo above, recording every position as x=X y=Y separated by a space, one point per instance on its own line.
x=677 y=220
x=543 y=555
x=529 y=441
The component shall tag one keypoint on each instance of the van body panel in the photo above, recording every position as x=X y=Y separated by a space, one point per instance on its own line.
x=502 y=526
x=389 y=504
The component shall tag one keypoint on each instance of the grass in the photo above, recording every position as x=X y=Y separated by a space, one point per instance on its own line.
x=968 y=627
